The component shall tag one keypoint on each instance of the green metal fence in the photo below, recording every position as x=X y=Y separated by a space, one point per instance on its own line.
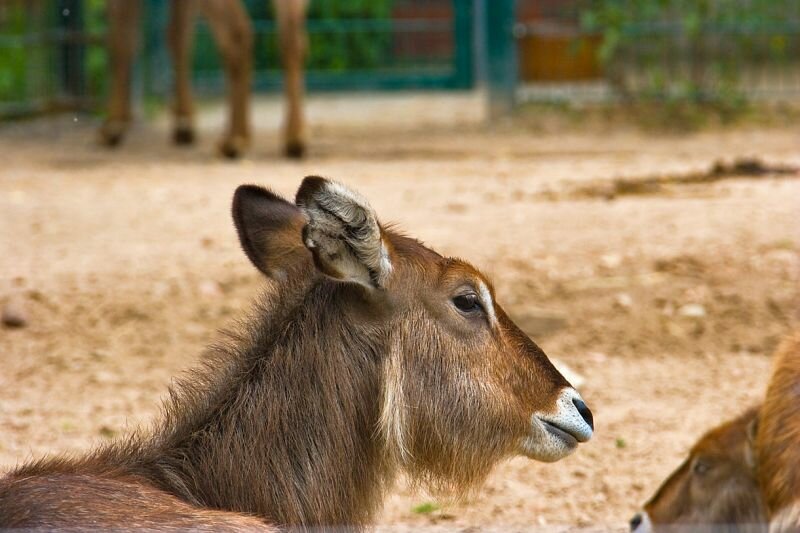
x=704 y=51
x=381 y=44
x=52 y=54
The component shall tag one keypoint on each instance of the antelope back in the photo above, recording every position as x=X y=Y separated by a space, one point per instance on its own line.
x=85 y=502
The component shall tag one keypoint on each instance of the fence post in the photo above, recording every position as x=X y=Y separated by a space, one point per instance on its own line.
x=500 y=55
x=155 y=73
x=73 y=73
x=463 y=43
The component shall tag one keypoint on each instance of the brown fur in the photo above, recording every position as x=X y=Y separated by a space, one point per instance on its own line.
x=233 y=33
x=755 y=476
x=47 y=501
x=304 y=417
x=715 y=488
x=778 y=441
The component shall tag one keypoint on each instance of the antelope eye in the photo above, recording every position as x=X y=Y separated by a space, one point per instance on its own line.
x=467 y=303
x=700 y=468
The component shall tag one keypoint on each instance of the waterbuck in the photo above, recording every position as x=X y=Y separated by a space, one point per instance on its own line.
x=778 y=440
x=233 y=33
x=743 y=475
x=714 y=489
x=367 y=355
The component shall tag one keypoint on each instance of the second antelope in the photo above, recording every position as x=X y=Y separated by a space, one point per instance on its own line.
x=369 y=354
x=232 y=30
x=778 y=440
x=742 y=475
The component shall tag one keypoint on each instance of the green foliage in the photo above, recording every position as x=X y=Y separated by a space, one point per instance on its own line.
x=96 y=58
x=344 y=35
x=107 y=432
x=30 y=55
x=691 y=50
x=426 y=508
x=13 y=64
x=24 y=59
x=363 y=47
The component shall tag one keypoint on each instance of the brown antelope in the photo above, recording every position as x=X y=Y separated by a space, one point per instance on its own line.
x=778 y=440
x=368 y=354
x=743 y=474
x=232 y=30
x=714 y=489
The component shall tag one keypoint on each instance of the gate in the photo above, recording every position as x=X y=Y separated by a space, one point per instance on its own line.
x=52 y=53
x=379 y=45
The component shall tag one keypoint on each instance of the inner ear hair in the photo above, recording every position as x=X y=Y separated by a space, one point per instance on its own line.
x=343 y=233
x=269 y=230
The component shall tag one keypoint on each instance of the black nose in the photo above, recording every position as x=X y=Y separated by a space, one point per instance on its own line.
x=636 y=521
x=584 y=411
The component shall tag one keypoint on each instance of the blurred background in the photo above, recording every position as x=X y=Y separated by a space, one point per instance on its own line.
x=625 y=171
x=715 y=52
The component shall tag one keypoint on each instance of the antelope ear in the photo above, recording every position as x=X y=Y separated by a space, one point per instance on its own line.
x=269 y=230
x=343 y=234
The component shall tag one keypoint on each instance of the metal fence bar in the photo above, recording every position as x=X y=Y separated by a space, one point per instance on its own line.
x=416 y=72
x=43 y=57
x=463 y=76
x=63 y=61
x=501 y=55
x=73 y=74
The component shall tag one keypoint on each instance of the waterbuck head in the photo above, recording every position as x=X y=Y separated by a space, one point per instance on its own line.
x=461 y=386
x=714 y=489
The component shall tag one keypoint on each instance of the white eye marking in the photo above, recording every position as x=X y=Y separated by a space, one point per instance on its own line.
x=386 y=262
x=486 y=298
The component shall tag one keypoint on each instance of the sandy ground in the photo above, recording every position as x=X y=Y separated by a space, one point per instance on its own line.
x=669 y=304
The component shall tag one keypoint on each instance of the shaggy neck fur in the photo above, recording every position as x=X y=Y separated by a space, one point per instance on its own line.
x=281 y=423
x=301 y=419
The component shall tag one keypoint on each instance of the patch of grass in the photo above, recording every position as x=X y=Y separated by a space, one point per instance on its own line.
x=426 y=508
x=781 y=244
x=620 y=443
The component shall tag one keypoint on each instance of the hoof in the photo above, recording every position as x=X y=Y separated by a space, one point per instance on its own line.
x=233 y=148
x=183 y=136
x=112 y=134
x=295 y=150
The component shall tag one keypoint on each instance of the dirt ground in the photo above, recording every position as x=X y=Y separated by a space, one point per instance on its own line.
x=669 y=303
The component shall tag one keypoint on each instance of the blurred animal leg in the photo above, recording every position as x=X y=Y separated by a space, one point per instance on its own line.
x=291 y=15
x=180 y=37
x=123 y=31
x=233 y=33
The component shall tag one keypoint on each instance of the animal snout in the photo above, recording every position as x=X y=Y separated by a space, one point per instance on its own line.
x=584 y=411
x=640 y=523
x=573 y=416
